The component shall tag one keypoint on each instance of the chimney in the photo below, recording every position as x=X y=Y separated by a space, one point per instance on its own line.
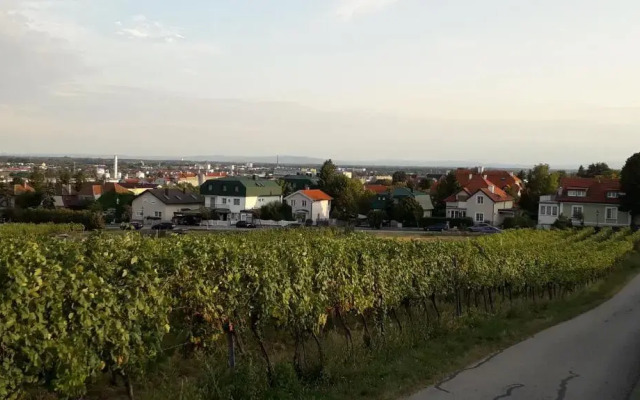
x=115 y=167
x=480 y=170
x=484 y=176
x=492 y=188
x=470 y=176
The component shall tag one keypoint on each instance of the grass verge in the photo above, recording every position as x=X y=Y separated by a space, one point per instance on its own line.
x=409 y=360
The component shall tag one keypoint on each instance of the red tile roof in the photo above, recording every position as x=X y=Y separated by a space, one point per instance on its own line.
x=316 y=194
x=597 y=189
x=20 y=189
x=479 y=183
x=503 y=179
x=377 y=189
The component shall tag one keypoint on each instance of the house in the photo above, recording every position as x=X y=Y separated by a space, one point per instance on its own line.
x=302 y=182
x=230 y=196
x=92 y=191
x=8 y=196
x=377 y=189
x=162 y=204
x=505 y=180
x=587 y=201
x=313 y=204
x=381 y=200
x=481 y=200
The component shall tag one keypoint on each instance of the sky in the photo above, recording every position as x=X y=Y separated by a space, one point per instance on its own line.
x=493 y=81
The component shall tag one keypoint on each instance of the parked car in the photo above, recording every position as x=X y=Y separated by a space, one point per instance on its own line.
x=130 y=226
x=163 y=226
x=485 y=229
x=439 y=227
x=244 y=224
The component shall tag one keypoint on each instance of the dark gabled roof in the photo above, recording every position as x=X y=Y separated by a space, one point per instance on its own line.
x=596 y=188
x=175 y=196
x=240 y=186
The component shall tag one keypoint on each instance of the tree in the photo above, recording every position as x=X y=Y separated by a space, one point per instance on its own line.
x=408 y=211
x=581 y=173
x=17 y=180
x=187 y=187
x=540 y=181
x=447 y=186
x=328 y=172
x=424 y=184
x=37 y=178
x=522 y=175
x=79 y=179
x=48 y=200
x=630 y=186
x=376 y=218
x=64 y=176
x=276 y=211
x=29 y=200
x=598 y=169
x=399 y=177
x=287 y=188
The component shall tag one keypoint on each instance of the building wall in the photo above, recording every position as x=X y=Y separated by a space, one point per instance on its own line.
x=595 y=214
x=244 y=203
x=320 y=210
x=487 y=208
x=257 y=202
x=545 y=221
x=314 y=209
x=146 y=205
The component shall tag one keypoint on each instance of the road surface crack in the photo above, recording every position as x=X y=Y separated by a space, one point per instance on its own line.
x=451 y=377
x=510 y=390
x=562 y=390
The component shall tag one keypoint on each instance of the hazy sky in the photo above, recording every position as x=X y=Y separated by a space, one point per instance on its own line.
x=491 y=81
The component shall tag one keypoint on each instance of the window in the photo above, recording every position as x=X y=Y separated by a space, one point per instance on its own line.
x=293 y=202
x=224 y=200
x=210 y=187
x=224 y=188
x=237 y=189
x=554 y=210
x=611 y=213
x=236 y=202
x=479 y=217
x=577 y=193
x=576 y=212
x=304 y=203
x=543 y=210
x=157 y=214
x=480 y=199
x=613 y=195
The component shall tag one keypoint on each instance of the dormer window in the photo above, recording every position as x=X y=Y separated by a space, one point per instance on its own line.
x=577 y=193
x=613 y=195
x=480 y=199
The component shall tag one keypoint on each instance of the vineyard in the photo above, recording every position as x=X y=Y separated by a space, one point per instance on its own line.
x=71 y=310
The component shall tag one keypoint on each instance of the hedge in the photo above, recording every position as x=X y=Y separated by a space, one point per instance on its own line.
x=90 y=220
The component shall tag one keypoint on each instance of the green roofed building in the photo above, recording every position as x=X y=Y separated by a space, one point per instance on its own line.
x=302 y=182
x=235 y=195
x=380 y=200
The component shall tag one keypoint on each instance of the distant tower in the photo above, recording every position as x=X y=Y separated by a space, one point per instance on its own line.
x=115 y=167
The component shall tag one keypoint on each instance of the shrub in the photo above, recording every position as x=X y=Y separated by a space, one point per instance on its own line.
x=376 y=218
x=520 y=221
x=563 y=223
x=460 y=223
x=90 y=220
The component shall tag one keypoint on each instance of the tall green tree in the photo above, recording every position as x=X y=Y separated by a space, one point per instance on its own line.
x=399 y=177
x=446 y=187
x=79 y=179
x=581 y=172
x=630 y=186
x=37 y=179
x=327 y=173
x=64 y=176
x=540 y=181
x=408 y=211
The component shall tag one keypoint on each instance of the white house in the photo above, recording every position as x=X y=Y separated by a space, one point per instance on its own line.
x=161 y=204
x=313 y=204
x=231 y=197
x=482 y=201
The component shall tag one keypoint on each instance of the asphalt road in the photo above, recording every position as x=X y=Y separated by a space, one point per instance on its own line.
x=595 y=356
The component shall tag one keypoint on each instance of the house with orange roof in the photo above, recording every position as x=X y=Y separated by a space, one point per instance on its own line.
x=481 y=200
x=8 y=196
x=313 y=204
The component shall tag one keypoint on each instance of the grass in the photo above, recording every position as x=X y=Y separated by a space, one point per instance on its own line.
x=398 y=365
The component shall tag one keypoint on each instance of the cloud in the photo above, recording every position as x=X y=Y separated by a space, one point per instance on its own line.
x=140 y=27
x=34 y=62
x=348 y=9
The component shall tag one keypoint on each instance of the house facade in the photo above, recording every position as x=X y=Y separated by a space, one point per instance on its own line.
x=160 y=205
x=230 y=197
x=313 y=204
x=586 y=201
x=482 y=201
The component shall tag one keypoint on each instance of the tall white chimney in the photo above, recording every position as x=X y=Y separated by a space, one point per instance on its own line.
x=115 y=167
